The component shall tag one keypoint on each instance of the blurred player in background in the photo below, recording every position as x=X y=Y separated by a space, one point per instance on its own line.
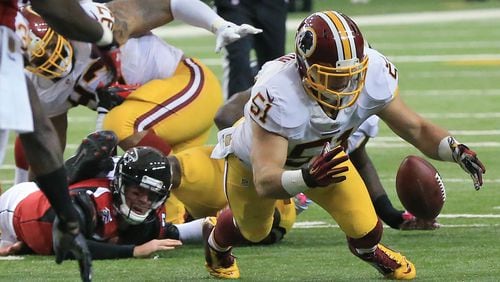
x=120 y=213
x=270 y=16
x=20 y=109
x=174 y=87
x=300 y=103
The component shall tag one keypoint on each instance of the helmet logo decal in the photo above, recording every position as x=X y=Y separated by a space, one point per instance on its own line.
x=131 y=156
x=306 y=42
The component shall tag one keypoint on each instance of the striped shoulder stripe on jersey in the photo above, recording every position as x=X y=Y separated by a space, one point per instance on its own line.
x=346 y=48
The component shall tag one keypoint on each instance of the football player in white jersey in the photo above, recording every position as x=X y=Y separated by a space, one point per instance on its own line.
x=67 y=73
x=232 y=110
x=300 y=103
x=20 y=109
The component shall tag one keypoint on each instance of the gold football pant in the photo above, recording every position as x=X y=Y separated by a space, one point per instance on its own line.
x=179 y=109
x=202 y=192
x=348 y=203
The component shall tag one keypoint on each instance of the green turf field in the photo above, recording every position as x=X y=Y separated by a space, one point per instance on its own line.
x=449 y=72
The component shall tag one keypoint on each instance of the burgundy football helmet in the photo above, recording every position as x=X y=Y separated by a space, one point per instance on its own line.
x=49 y=54
x=330 y=56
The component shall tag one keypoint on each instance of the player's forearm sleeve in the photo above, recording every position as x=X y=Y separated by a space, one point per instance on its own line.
x=101 y=250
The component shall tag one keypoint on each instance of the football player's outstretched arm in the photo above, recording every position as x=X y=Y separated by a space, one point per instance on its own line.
x=418 y=131
x=105 y=250
x=154 y=246
x=432 y=140
x=136 y=17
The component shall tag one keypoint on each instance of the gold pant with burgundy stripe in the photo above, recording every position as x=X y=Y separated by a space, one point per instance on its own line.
x=179 y=109
x=348 y=202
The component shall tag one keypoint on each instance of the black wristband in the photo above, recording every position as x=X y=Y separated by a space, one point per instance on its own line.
x=308 y=178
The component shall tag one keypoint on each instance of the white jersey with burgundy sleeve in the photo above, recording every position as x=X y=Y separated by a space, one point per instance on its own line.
x=143 y=59
x=280 y=105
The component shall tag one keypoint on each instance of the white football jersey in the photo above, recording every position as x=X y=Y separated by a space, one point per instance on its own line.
x=279 y=104
x=143 y=59
x=8 y=203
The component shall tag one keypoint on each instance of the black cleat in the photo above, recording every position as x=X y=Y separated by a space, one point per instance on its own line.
x=93 y=156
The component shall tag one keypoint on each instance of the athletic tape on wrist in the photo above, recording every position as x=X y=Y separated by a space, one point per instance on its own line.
x=445 y=151
x=293 y=182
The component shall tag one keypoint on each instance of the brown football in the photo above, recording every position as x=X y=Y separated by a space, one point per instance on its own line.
x=420 y=188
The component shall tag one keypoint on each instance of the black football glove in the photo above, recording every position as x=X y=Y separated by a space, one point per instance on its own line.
x=65 y=240
x=324 y=169
x=113 y=95
x=468 y=161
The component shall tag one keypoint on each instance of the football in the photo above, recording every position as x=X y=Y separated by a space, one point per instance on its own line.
x=420 y=188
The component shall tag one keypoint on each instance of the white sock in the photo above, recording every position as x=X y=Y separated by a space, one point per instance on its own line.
x=366 y=251
x=214 y=245
x=191 y=232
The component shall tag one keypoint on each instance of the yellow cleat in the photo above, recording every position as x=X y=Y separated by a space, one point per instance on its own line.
x=218 y=264
x=389 y=263
x=406 y=269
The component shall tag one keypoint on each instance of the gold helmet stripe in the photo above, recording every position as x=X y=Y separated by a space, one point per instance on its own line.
x=345 y=34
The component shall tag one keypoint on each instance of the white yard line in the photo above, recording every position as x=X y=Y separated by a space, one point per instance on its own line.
x=460 y=58
x=445 y=58
x=12 y=258
x=452 y=92
x=323 y=224
x=402 y=144
x=439 y=45
x=186 y=31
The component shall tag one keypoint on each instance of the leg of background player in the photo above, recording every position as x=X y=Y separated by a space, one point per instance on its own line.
x=44 y=154
x=381 y=202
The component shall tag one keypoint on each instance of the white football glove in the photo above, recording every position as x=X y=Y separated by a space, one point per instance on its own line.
x=228 y=32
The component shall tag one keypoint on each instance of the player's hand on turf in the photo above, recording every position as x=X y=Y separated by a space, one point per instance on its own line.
x=155 y=245
x=66 y=240
x=228 y=32
x=326 y=168
x=468 y=161
x=11 y=249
